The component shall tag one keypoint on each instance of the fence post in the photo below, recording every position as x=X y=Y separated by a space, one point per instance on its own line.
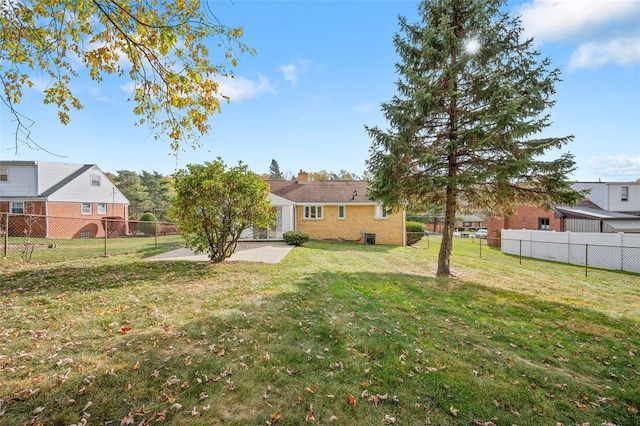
x=106 y=232
x=586 y=260
x=6 y=235
x=520 y=256
x=480 y=239
x=155 y=229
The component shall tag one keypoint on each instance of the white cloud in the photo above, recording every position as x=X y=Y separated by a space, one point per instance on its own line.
x=607 y=31
x=290 y=73
x=624 y=51
x=560 y=19
x=241 y=88
x=620 y=167
x=236 y=88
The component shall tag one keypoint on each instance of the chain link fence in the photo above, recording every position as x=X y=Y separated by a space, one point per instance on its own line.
x=39 y=239
x=596 y=259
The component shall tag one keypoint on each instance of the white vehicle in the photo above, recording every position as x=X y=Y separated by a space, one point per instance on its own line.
x=481 y=233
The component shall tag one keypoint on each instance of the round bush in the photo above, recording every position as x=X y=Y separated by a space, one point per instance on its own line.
x=295 y=238
x=415 y=232
x=149 y=224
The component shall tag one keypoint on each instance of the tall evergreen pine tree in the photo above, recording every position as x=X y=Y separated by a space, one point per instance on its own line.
x=471 y=95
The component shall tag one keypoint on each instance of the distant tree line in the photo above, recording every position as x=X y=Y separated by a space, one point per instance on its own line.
x=276 y=174
x=147 y=192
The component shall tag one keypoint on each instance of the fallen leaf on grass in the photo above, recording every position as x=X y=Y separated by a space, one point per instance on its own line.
x=64 y=361
x=127 y=420
x=453 y=411
x=273 y=419
x=124 y=329
x=352 y=400
x=388 y=419
x=309 y=417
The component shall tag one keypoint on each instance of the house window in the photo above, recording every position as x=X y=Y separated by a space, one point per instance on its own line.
x=87 y=208
x=381 y=212
x=544 y=223
x=313 y=212
x=341 y=212
x=102 y=208
x=95 y=180
x=4 y=174
x=17 y=207
x=625 y=194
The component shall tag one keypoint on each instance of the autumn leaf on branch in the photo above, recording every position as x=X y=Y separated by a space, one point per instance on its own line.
x=162 y=47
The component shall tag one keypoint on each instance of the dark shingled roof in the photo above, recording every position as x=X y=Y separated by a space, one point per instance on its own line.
x=326 y=191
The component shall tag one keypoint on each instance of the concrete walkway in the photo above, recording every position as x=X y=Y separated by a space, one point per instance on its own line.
x=246 y=251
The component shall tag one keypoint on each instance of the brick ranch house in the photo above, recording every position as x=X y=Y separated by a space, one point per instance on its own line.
x=332 y=210
x=58 y=200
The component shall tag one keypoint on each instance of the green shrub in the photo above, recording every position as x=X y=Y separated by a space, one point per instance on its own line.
x=149 y=224
x=295 y=238
x=415 y=232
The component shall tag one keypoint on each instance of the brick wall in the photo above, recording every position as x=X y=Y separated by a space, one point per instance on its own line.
x=357 y=219
x=525 y=217
x=63 y=220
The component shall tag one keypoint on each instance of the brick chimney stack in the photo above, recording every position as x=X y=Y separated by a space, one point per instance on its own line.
x=303 y=177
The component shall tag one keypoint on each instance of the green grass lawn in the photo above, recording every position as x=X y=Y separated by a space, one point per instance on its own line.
x=39 y=251
x=335 y=334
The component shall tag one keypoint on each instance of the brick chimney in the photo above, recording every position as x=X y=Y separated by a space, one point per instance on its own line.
x=303 y=177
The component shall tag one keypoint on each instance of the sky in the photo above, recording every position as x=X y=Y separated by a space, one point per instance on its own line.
x=321 y=71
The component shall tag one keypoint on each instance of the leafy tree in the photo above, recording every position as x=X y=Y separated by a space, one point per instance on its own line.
x=159 y=193
x=130 y=184
x=161 y=46
x=274 y=171
x=213 y=205
x=325 y=175
x=471 y=95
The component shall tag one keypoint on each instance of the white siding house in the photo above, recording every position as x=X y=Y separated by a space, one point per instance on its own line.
x=59 y=190
x=613 y=196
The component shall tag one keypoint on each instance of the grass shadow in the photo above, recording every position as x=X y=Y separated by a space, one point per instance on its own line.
x=184 y=342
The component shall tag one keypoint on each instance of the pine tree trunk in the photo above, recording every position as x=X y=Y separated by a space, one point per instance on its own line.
x=444 y=256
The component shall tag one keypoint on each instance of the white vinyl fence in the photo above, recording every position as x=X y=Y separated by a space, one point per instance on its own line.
x=620 y=251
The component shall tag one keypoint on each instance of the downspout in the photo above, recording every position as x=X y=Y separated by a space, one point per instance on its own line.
x=404 y=227
x=295 y=217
